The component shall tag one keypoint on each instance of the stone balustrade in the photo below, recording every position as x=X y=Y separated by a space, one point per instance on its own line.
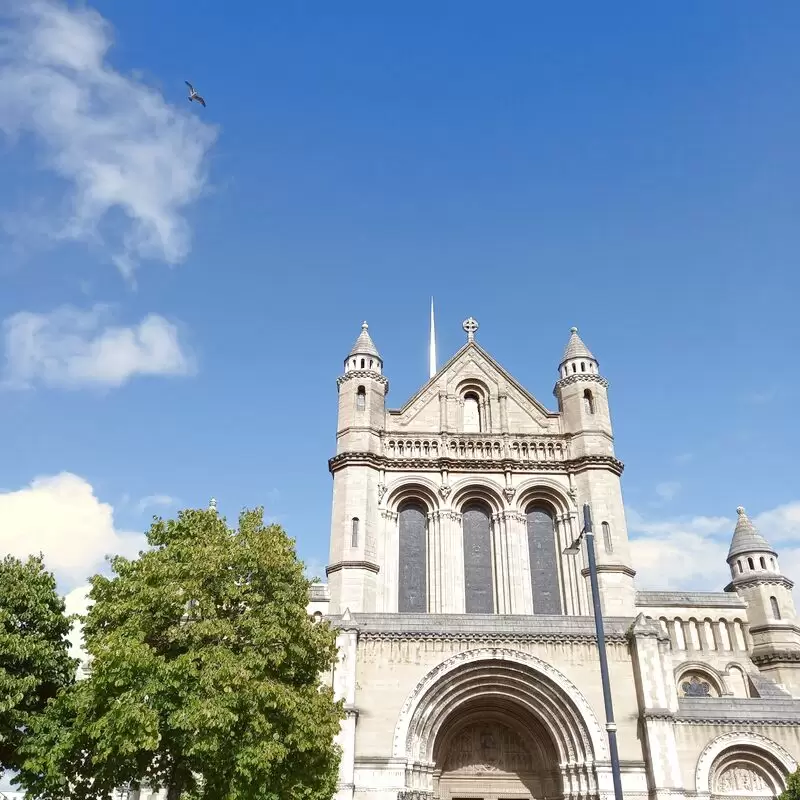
x=477 y=447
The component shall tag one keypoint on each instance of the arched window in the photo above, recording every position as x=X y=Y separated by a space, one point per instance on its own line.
x=763 y=563
x=751 y=564
x=544 y=568
x=413 y=534
x=478 y=584
x=583 y=366
x=772 y=563
x=607 y=538
x=361 y=398
x=472 y=416
x=370 y=363
x=362 y=363
x=588 y=402
x=354 y=533
x=739 y=564
x=776 y=611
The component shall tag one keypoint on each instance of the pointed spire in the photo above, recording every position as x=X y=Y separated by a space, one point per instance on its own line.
x=432 y=347
x=364 y=346
x=746 y=538
x=576 y=348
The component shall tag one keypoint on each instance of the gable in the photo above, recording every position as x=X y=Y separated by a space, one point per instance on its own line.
x=472 y=368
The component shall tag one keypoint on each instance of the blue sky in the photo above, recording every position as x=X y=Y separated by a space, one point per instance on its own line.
x=180 y=285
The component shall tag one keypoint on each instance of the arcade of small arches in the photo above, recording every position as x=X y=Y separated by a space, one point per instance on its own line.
x=492 y=558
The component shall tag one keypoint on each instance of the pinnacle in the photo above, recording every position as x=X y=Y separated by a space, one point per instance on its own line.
x=364 y=346
x=746 y=537
x=576 y=348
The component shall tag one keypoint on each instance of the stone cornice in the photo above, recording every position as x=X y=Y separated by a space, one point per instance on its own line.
x=680 y=599
x=364 y=374
x=488 y=638
x=738 y=712
x=364 y=458
x=623 y=569
x=759 y=580
x=339 y=565
x=778 y=657
x=580 y=377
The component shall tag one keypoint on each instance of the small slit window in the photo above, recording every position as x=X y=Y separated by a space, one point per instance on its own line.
x=739 y=564
x=776 y=611
x=362 y=363
x=609 y=544
x=354 y=533
x=763 y=563
x=361 y=398
x=583 y=366
x=751 y=564
x=588 y=402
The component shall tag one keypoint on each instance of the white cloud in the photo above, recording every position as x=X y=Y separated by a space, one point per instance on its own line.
x=668 y=490
x=690 y=553
x=70 y=348
x=132 y=162
x=61 y=517
x=155 y=501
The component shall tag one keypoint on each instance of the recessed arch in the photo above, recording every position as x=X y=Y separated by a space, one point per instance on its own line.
x=686 y=670
x=407 y=488
x=543 y=490
x=524 y=686
x=745 y=750
x=477 y=489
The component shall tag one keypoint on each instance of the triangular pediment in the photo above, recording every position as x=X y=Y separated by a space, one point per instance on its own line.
x=472 y=365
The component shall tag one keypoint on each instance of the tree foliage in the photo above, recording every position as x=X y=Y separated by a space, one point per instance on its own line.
x=34 y=650
x=792 y=791
x=205 y=675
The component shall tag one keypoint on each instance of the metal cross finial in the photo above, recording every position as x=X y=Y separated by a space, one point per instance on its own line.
x=470 y=325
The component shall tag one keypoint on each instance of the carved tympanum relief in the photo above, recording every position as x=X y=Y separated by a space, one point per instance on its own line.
x=488 y=747
x=740 y=780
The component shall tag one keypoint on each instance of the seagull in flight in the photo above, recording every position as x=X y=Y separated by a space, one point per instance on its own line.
x=194 y=96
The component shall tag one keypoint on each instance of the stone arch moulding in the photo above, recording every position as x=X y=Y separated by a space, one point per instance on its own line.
x=414 y=487
x=440 y=692
x=547 y=490
x=712 y=675
x=476 y=488
x=717 y=746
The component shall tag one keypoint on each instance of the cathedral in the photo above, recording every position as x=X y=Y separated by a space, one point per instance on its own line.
x=468 y=661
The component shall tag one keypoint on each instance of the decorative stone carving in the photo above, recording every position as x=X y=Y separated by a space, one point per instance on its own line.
x=509 y=492
x=488 y=747
x=444 y=491
x=382 y=491
x=413 y=794
x=739 y=779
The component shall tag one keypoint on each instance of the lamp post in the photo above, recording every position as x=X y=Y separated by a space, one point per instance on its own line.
x=611 y=727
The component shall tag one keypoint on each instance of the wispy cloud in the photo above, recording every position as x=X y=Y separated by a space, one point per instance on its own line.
x=683 y=458
x=155 y=501
x=132 y=162
x=690 y=553
x=70 y=348
x=667 y=490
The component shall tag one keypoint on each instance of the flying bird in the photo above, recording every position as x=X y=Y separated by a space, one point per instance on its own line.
x=194 y=96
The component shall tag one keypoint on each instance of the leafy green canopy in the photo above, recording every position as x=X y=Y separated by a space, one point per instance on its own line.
x=205 y=675
x=34 y=650
x=792 y=787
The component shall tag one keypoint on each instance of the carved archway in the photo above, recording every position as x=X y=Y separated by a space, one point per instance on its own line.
x=738 y=765
x=528 y=728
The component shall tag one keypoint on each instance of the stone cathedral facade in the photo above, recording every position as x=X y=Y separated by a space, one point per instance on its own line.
x=468 y=660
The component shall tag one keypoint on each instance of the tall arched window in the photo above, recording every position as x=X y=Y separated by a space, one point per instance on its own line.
x=609 y=544
x=478 y=584
x=413 y=526
x=776 y=611
x=354 y=533
x=472 y=415
x=544 y=566
x=361 y=398
x=588 y=402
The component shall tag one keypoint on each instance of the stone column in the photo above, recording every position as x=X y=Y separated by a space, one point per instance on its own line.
x=453 y=599
x=436 y=557
x=502 y=565
x=443 y=411
x=658 y=703
x=344 y=688
x=390 y=583
x=519 y=563
x=502 y=400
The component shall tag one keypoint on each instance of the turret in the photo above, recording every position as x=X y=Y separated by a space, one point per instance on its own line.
x=771 y=615
x=354 y=520
x=362 y=392
x=582 y=395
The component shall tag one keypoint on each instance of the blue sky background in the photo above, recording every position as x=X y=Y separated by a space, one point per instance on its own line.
x=631 y=169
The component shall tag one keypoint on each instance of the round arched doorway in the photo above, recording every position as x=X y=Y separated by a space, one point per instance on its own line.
x=497 y=724
x=495 y=750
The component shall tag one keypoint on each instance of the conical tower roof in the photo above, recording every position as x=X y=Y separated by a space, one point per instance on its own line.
x=364 y=346
x=576 y=348
x=746 y=538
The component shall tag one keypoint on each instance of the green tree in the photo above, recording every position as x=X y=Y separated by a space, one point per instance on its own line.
x=34 y=650
x=205 y=675
x=792 y=787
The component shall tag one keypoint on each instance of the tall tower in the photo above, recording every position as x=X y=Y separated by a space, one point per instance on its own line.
x=756 y=577
x=353 y=563
x=582 y=395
